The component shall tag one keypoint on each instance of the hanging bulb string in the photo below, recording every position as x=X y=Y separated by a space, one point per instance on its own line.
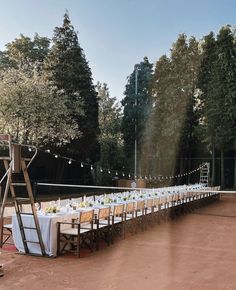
x=109 y=171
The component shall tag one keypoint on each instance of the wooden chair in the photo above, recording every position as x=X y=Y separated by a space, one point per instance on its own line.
x=117 y=226
x=7 y=226
x=149 y=211
x=157 y=209
x=139 y=214
x=129 y=217
x=71 y=236
x=7 y=234
x=164 y=206
x=103 y=226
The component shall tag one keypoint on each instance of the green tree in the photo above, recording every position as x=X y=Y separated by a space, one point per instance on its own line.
x=68 y=70
x=174 y=84
x=32 y=111
x=25 y=52
x=206 y=85
x=110 y=138
x=137 y=103
x=218 y=95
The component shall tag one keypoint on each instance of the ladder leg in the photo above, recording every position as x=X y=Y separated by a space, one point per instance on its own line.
x=3 y=207
x=30 y=194
x=13 y=194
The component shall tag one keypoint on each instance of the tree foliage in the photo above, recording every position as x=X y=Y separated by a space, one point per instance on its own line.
x=110 y=138
x=68 y=70
x=174 y=85
x=218 y=92
x=32 y=111
x=137 y=103
x=25 y=52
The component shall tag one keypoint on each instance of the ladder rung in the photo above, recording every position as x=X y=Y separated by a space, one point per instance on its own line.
x=29 y=228
x=18 y=184
x=32 y=242
x=26 y=213
x=7 y=204
x=22 y=199
x=5 y=158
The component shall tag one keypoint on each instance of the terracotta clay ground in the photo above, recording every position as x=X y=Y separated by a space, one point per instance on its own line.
x=196 y=251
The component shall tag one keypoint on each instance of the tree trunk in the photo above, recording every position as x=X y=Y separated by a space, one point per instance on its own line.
x=213 y=170
x=222 y=177
x=235 y=170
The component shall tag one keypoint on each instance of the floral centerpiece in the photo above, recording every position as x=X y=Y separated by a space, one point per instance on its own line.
x=85 y=204
x=51 y=209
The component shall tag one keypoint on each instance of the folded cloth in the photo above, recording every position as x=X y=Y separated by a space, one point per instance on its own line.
x=1 y=271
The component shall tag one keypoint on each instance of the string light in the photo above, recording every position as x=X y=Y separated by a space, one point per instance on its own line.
x=159 y=178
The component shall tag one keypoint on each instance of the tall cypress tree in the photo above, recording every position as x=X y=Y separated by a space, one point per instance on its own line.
x=225 y=94
x=217 y=83
x=110 y=139
x=68 y=69
x=137 y=103
x=206 y=84
x=173 y=89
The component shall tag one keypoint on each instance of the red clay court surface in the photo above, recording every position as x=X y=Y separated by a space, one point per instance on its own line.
x=195 y=251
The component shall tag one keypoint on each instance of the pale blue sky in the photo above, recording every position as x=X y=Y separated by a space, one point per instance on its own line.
x=116 y=34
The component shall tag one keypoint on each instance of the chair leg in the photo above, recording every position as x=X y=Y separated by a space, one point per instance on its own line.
x=97 y=238
x=78 y=246
x=58 y=240
x=91 y=240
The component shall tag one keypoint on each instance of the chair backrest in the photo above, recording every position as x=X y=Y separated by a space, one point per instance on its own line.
x=130 y=207
x=104 y=212
x=175 y=197
x=163 y=199
x=118 y=209
x=149 y=203
x=86 y=216
x=156 y=201
x=9 y=211
x=181 y=196
x=140 y=204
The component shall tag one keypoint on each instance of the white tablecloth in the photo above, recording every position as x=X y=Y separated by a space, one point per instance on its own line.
x=48 y=225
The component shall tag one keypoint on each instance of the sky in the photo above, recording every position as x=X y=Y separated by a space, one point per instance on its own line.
x=117 y=34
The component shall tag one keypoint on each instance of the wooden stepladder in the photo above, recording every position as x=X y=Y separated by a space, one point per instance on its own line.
x=15 y=166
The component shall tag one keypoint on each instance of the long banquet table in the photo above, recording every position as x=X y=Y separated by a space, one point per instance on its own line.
x=48 y=222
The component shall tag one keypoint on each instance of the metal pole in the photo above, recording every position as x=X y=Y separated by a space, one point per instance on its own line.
x=135 y=126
